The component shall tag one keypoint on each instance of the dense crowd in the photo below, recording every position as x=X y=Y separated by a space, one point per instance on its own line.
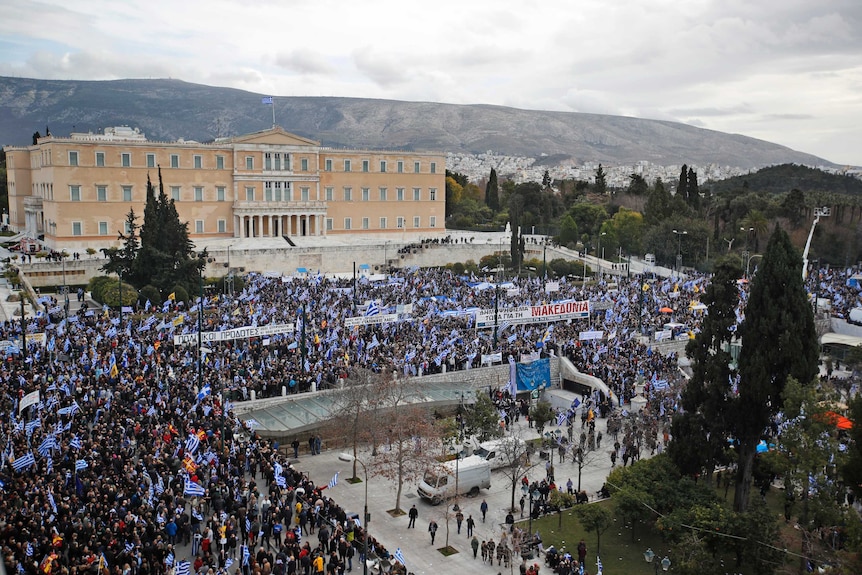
x=126 y=452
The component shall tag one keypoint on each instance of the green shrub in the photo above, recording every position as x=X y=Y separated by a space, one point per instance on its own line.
x=97 y=286
x=111 y=294
x=180 y=293
x=151 y=293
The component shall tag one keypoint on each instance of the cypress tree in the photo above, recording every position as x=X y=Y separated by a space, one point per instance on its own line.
x=492 y=192
x=692 y=189
x=778 y=342
x=682 y=186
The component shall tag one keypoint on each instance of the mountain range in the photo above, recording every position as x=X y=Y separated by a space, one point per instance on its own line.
x=167 y=110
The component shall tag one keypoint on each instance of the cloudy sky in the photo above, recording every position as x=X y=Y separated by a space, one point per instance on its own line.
x=787 y=71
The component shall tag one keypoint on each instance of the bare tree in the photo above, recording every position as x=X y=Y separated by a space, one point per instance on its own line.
x=517 y=458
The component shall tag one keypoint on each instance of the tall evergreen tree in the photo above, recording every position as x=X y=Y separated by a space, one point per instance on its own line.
x=546 y=179
x=658 y=204
x=601 y=181
x=778 y=342
x=702 y=428
x=122 y=260
x=692 y=189
x=492 y=192
x=682 y=186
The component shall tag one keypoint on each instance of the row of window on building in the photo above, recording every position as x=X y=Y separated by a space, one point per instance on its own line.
x=221 y=225
x=272 y=161
x=272 y=192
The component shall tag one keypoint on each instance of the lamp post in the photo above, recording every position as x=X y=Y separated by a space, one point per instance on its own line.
x=544 y=265
x=748 y=261
x=534 y=495
x=228 y=284
x=365 y=517
x=120 y=283
x=679 y=235
x=65 y=289
x=599 y=252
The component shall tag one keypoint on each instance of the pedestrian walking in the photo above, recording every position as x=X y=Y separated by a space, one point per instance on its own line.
x=484 y=509
x=432 y=529
x=474 y=543
x=470 y=524
x=459 y=519
x=412 y=514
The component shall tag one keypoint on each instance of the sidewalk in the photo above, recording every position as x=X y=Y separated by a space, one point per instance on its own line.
x=422 y=558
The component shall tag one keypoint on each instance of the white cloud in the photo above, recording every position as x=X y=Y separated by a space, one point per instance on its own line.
x=784 y=70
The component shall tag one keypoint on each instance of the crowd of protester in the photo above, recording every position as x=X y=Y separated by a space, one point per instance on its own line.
x=126 y=452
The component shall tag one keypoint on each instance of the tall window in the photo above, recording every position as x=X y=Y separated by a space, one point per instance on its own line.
x=199 y=226
x=415 y=167
x=400 y=166
x=100 y=159
x=102 y=193
x=199 y=161
x=416 y=222
x=249 y=194
x=219 y=162
x=382 y=194
x=175 y=193
x=220 y=193
x=329 y=193
x=249 y=162
x=400 y=223
x=73 y=158
x=346 y=165
x=417 y=194
x=277 y=158
x=365 y=223
x=103 y=228
x=75 y=193
x=77 y=228
x=199 y=194
x=366 y=194
x=327 y=165
x=347 y=223
x=348 y=194
x=304 y=194
x=328 y=224
x=303 y=164
x=433 y=167
x=267 y=191
x=151 y=160
x=365 y=166
x=432 y=221
x=276 y=193
x=126 y=159
x=175 y=161
x=222 y=226
x=399 y=194
x=382 y=166
x=382 y=223
x=267 y=161
x=432 y=194
x=127 y=193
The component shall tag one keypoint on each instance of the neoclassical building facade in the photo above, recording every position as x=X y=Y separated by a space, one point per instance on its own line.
x=76 y=192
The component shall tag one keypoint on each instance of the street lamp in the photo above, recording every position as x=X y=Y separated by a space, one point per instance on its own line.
x=365 y=518
x=599 y=253
x=534 y=496
x=679 y=235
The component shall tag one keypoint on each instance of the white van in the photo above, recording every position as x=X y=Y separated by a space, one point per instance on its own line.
x=500 y=452
x=649 y=259
x=471 y=474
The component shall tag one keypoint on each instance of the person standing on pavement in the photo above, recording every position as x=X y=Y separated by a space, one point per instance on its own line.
x=459 y=519
x=474 y=543
x=413 y=514
x=484 y=509
x=295 y=445
x=470 y=524
x=432 y=529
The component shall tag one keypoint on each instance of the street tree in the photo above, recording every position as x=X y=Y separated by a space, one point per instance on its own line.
x=778 y=342
x=516 y=461
x=354 y=411
x=595 y=519
x=541 y=414
x=481 y=418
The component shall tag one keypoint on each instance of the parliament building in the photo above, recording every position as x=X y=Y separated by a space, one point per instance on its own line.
x=75 y=192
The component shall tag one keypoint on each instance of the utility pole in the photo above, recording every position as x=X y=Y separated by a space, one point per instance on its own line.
x=23 y=331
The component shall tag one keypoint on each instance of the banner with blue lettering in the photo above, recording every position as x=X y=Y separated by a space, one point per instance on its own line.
x=534 y=375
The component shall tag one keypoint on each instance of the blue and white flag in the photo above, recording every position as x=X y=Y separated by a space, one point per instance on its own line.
x=81 y=464
x=399 y=556
x=598 y=565
x=334 y=481
x=52 y=502
x=169 y=560
x=75 y=443
x=561 y=418
x=228 y=562
x=24 y=462
x=205 y=391
x=373 y=308
x=129 y=547
x=192 y=443
x=266 y=100
x=193 y=489
x=47 y=445
x=246 y=554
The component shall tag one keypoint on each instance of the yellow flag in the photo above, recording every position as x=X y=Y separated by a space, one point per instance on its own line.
x=173 y=296
x=178 y=320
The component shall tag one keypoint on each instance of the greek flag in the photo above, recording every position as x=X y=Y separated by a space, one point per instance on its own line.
x=30 y=427
x=598 y=565
x=129 y=547
x=561 y=418
x=192 y=443
x=75 y=443
x=29 y=550
x=24 y=462
x=247 y=526
x=205 y=391
x=183 y=568
x=264 y=100
x=334 y=481
x=81 y=464
x=228 y=562
x=373 y=308
x=169 y=560
x=47 y=445
x=399 y=556
x=193 y=489
x=69 y=410
x=51 y=501
x=245 y=555
x=279 y=480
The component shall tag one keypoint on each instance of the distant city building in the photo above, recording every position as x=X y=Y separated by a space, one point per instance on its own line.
x=77 y=191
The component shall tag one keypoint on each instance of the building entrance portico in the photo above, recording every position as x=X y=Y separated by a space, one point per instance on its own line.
x=307 y=221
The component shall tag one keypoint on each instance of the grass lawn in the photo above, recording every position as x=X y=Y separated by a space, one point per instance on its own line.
x=622 y=556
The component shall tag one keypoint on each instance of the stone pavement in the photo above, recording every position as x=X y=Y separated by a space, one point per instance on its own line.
x=421 y=557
